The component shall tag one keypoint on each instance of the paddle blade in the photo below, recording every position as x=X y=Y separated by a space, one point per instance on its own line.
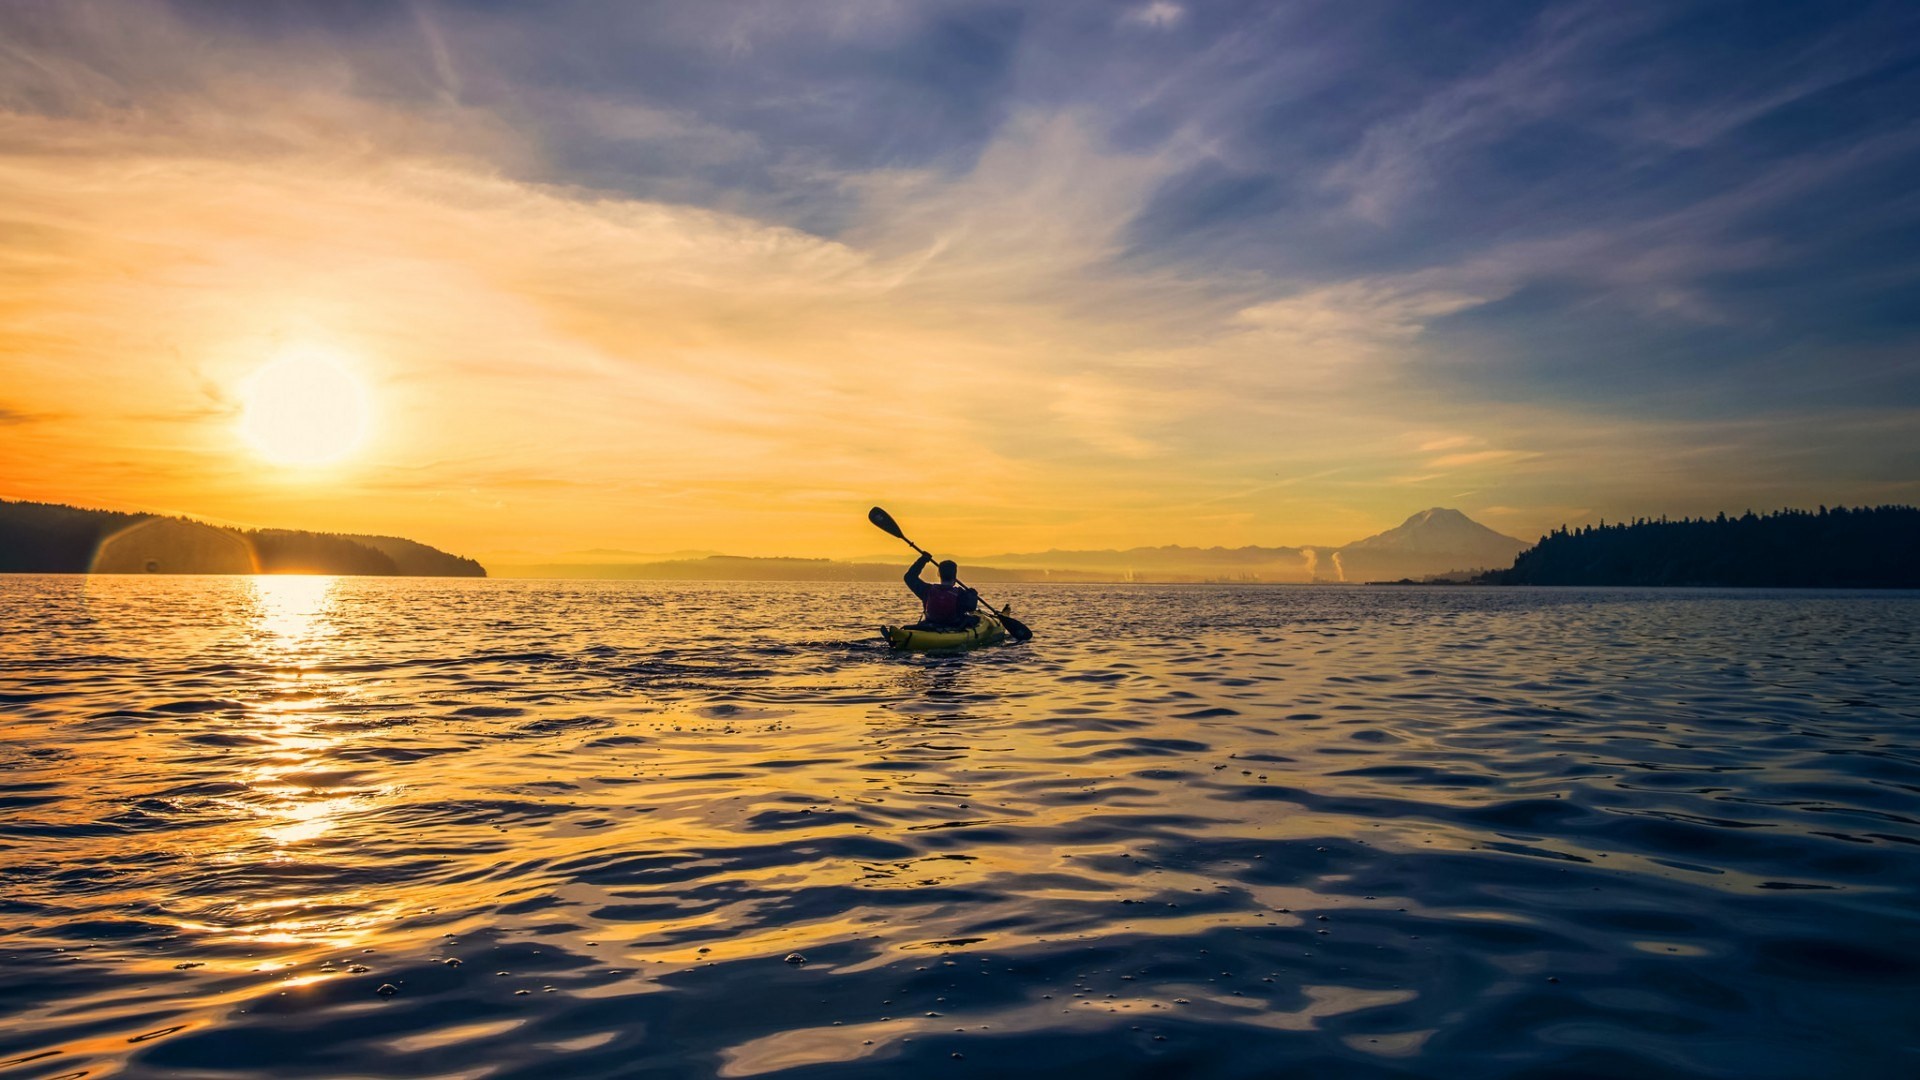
x=1016 y=629
x=884 y=521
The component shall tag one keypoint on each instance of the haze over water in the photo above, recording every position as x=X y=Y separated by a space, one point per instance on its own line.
x=639 y=829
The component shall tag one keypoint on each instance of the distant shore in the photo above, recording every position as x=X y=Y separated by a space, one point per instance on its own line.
x=49 y=538
x=1869 y=548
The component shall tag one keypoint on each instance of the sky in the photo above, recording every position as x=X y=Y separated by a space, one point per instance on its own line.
x=675 y=276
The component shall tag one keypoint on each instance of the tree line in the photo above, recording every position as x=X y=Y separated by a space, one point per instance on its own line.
x=1866 y=547
x=48 y=538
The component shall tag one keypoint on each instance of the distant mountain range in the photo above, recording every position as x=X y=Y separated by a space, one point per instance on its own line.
x=1433 y=543
x=46 y=538
x=50 y=538
x=744 y=568
x=1863 y=548
x=587 y=557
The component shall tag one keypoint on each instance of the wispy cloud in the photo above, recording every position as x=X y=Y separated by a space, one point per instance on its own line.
x=1159 y=14
x=1397 y=156
x=1155 y=268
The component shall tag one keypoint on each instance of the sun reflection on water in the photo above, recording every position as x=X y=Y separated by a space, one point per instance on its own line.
x=297 y=789
x=292 y=612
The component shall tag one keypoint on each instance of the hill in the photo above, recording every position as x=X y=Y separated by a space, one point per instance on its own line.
x=47 y=538
x=1838 y=548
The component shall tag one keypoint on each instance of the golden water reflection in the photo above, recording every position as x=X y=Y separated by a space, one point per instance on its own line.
x=297 y=788
x=1296 y=838
x=292 y=624
x=292 y=611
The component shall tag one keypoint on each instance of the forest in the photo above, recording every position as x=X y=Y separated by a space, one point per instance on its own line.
x=1868 y=547
x=47 y=538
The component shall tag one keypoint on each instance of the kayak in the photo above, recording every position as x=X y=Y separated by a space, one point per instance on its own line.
x=985 y=630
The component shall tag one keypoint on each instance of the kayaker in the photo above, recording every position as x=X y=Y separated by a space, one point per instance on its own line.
x=947 y=604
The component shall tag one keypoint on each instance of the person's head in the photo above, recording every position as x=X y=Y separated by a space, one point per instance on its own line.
x=949 y=571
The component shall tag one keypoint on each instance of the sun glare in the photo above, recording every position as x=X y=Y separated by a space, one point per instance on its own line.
x=304 y=409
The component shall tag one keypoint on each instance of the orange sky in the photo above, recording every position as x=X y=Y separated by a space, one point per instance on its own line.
x=554 y=365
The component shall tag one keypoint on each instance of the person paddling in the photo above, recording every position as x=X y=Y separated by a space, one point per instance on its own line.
x=947 y=604
x=949 y=579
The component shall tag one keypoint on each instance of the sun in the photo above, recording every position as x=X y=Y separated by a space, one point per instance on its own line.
x=304 y=408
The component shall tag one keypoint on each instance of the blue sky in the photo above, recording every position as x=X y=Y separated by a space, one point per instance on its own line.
x=1579 y=260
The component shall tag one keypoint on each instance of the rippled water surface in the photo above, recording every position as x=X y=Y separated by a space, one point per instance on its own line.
x=313 y=827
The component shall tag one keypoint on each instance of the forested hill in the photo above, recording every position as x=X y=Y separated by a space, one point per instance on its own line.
x=1877 y=547
x=47 y=538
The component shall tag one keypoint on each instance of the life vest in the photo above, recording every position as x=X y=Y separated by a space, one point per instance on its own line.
x=943 y=604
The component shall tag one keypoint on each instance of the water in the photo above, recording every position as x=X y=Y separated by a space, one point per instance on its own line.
x=577 y=829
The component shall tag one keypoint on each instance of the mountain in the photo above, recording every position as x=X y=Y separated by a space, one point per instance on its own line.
x=46 y=538
x=1428 y=544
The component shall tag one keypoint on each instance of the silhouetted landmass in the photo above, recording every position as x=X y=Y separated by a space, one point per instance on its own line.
x=46 y=538
x=1162 y=562
x=1867 y=548
x=50 y=539
x=1436 y=541
x=286 y=551
x=412 y=558
x=1432 y=542
x=743 y=568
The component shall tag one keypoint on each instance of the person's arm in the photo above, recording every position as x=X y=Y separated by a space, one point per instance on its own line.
x=969 y=601
x=918 y=586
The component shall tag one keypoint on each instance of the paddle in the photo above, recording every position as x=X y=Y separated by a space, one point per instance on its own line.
x=884 y=521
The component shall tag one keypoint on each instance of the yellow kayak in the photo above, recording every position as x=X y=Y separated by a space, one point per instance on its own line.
x=985 y=630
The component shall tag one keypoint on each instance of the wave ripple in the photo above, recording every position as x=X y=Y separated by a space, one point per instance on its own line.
x=311 y=827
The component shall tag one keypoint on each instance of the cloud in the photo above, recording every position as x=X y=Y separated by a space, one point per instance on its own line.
x=679 y=133
x=610 y=339
x=444 y=67
x=1478 y=457
x=1365 y=315
x=1103 y=417
x=1397 y=156
x=1160 y=14
x=730 y=267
